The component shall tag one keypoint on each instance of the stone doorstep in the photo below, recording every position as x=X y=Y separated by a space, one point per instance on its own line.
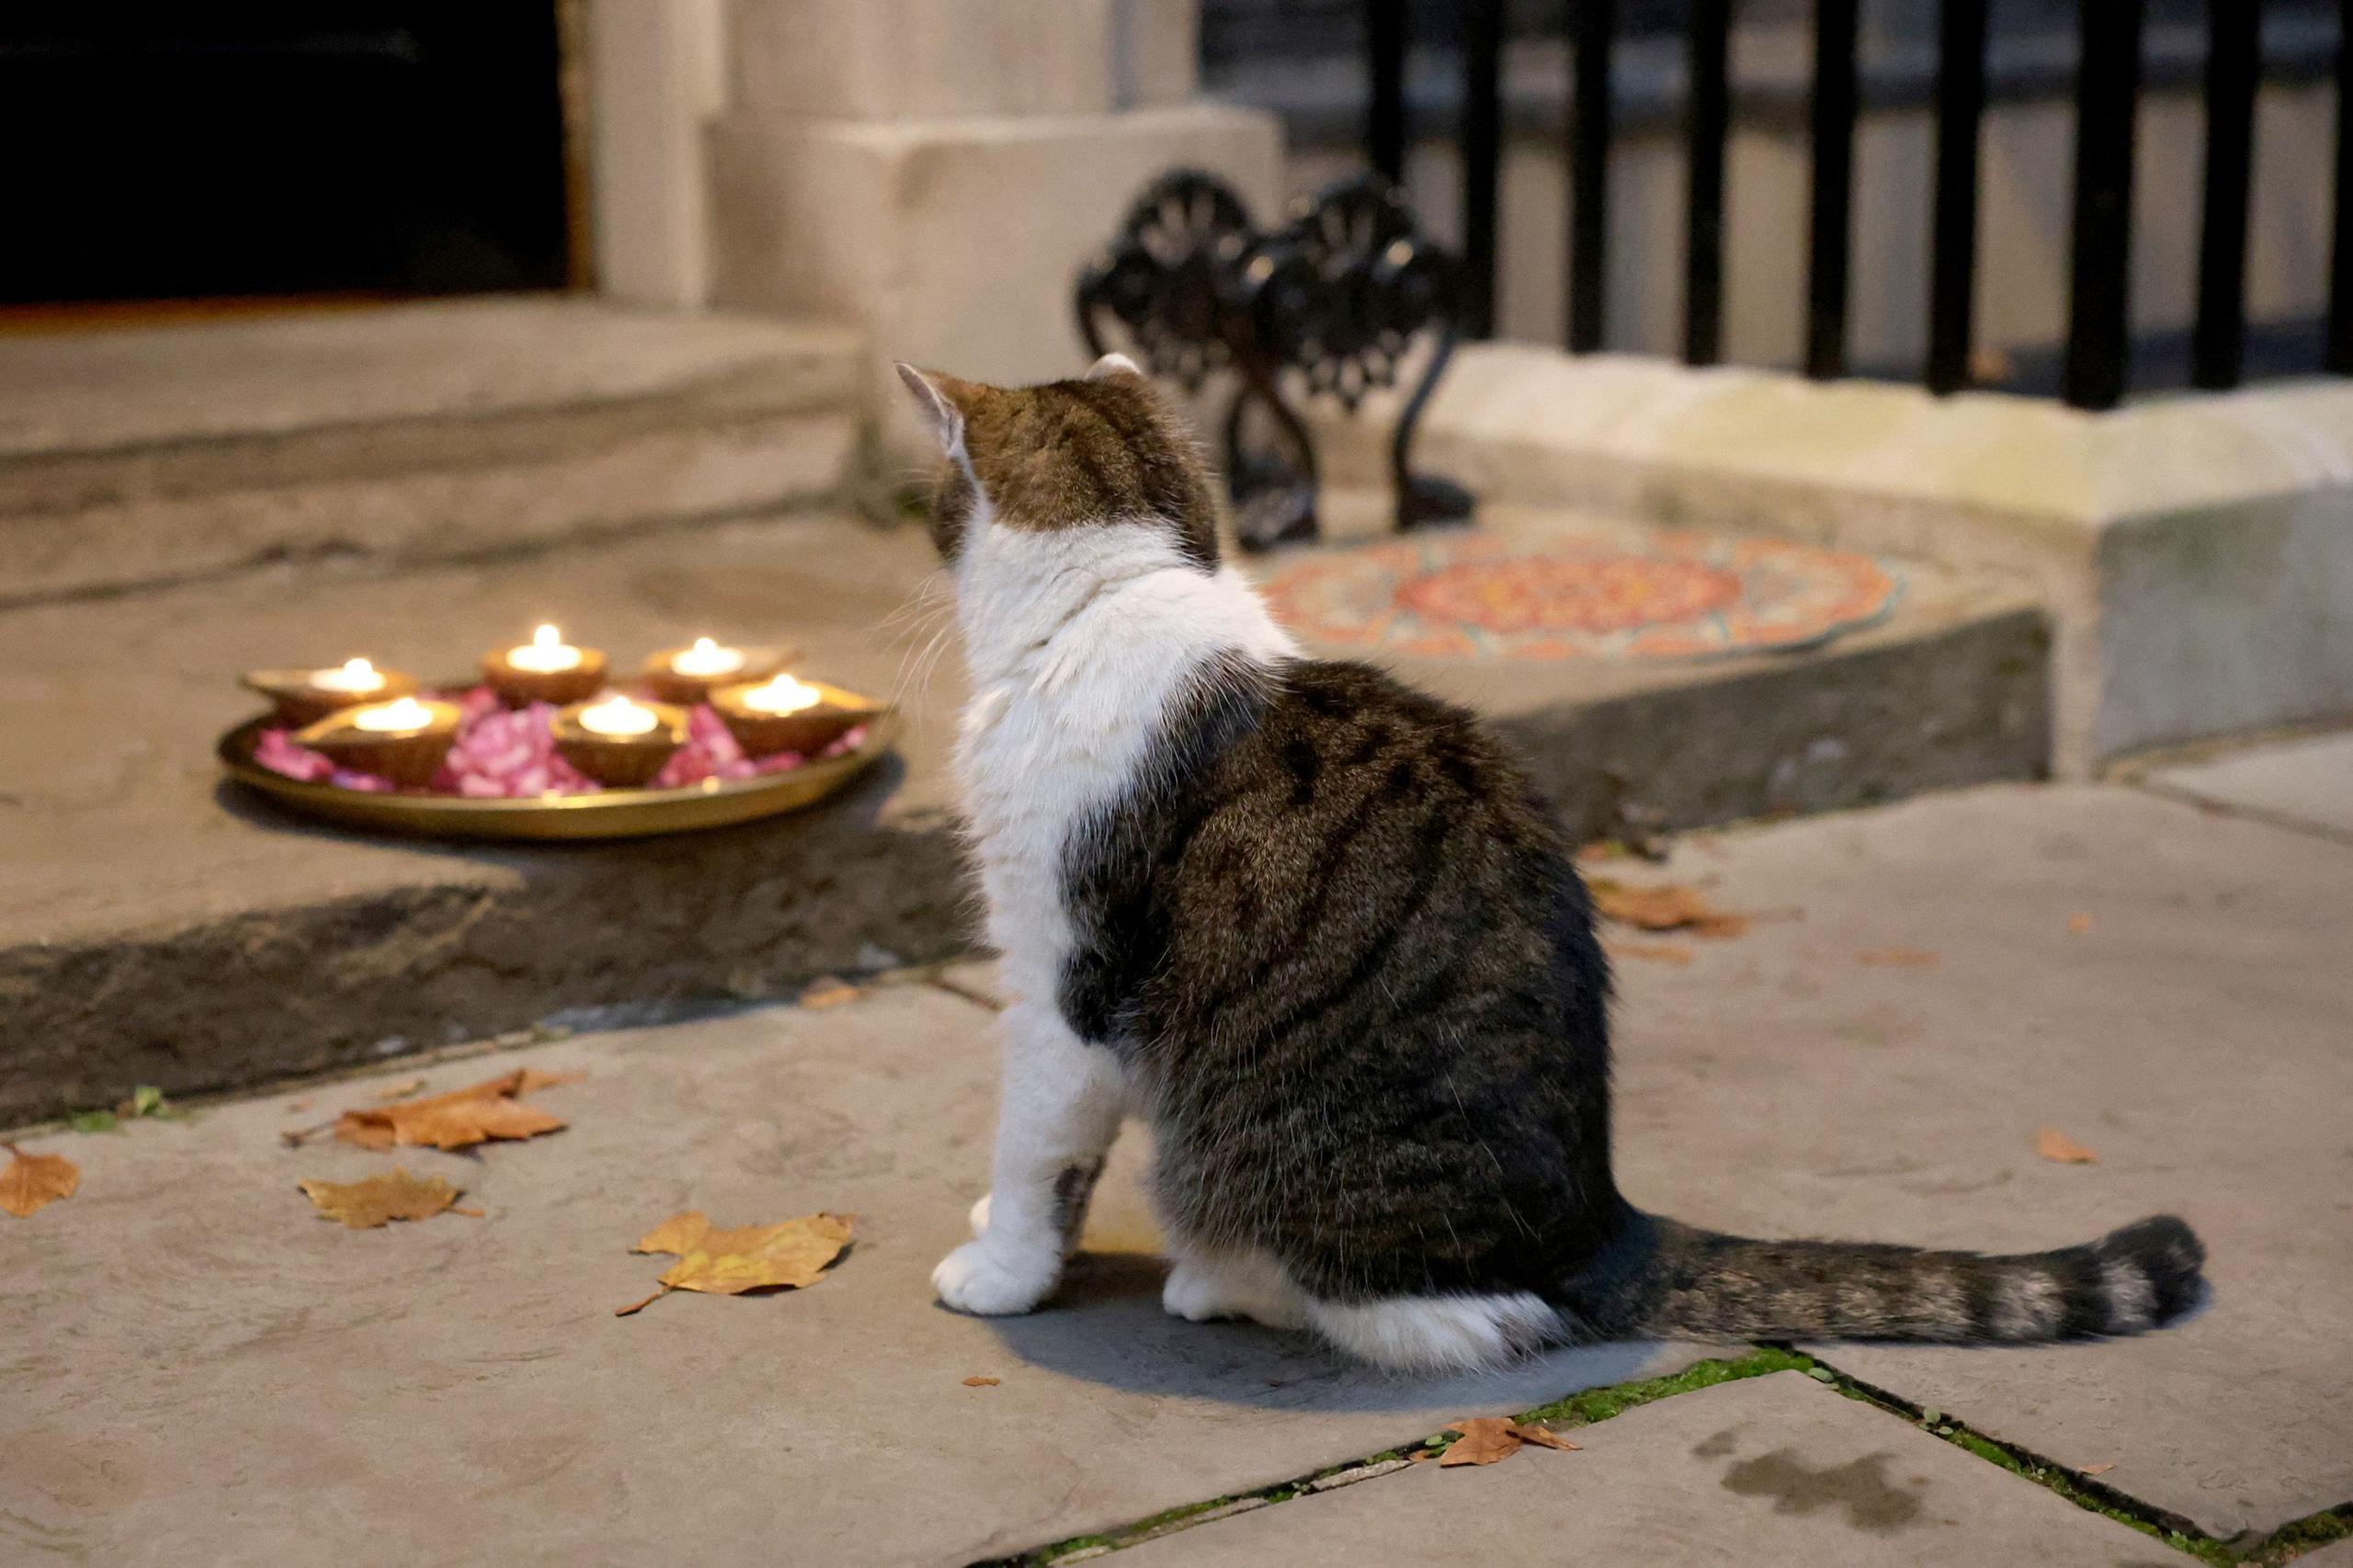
x=164 y=928
x=2196 y=554
x=411 y=432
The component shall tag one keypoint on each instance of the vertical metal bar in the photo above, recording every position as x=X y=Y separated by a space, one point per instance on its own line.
x=1961 y=113
x=1482 y=139
x=2233 y=65
x=1831 y=236
x=1384 y=26
x=1593 y=25
x=1710 y=113
x=2107 y=92
x=2339 y=353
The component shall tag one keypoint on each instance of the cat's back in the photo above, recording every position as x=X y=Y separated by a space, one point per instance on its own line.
x=1331 y=852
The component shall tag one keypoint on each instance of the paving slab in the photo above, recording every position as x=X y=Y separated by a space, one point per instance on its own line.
x=1928 y=984
x=2336 y=1554
x=1775 y=1468
x=201 y=1369
x=2304 y=783
x=163 y=926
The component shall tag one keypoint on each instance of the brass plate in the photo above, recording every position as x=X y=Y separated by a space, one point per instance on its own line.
x=611 y=813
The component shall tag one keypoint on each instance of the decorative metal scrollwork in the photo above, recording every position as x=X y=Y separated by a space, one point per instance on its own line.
x=1335 y=301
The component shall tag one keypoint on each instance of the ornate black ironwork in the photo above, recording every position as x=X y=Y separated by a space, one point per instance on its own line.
x=1335 y=301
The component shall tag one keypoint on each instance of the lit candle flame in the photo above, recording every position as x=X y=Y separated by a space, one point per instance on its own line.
x=546 y=651
x=707 y=658
x=356 y=674
x=783 y=695
x=393 y=718
x=617 y=715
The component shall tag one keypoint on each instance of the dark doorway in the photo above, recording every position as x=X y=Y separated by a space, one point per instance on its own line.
x=236 y=148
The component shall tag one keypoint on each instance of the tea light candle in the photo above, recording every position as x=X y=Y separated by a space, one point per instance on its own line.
x=617 y=715
x=688 y=675
x=786 y=714
x=707 y=658
x=617 y=741
x=304 y=696
x=356 y=675
x=404 y=717
x=404 y=740
x=783 y=695
x=547 y=651
x=545 y=669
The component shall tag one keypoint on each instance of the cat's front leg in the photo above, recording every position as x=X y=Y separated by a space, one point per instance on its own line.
x=1061 y=1109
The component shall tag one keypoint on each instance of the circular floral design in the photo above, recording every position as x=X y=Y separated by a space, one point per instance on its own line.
x=1470 y=595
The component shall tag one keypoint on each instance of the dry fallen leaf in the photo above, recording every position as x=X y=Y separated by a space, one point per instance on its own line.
x=1488 y=1439
x=1899 y=957
x=1670 y=906
x=458 y=1119
x=30 y=1182
x=399 y=1091
x=1545 y=1438
x=830 y=992
x=2098 y=1469
x=981 y=1382
x=755 y=1257
x=1676 y=953
x=2077 y=925
x=2054 y=1144
x=395 y=1195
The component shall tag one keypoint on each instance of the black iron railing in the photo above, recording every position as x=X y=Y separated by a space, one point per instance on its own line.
x=2097 y=365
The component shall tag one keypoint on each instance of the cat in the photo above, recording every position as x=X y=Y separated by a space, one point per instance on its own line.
x=1318 y=931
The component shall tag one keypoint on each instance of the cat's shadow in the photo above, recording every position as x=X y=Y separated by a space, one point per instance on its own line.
x=1106 y=1327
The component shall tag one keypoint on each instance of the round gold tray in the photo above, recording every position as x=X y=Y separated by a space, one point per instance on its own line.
x=609 y=813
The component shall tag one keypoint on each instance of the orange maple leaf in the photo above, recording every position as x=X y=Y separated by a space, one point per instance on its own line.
x=2055 y=1145
x=380 y=1200
x=1489 y=1439
x=1669 y=906
x=458 y=1120
x=792 y=1252
x=30 y=1182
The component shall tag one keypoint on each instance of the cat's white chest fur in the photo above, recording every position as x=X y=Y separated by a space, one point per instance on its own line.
x=1079 y=645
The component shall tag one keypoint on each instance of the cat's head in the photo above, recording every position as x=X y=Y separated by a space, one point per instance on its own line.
x=1068 y=455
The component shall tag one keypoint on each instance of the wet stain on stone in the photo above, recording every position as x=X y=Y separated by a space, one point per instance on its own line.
x=1873 y=1502
x=1718 y=1445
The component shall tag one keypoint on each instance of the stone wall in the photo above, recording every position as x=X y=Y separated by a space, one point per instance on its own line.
x=937 y=172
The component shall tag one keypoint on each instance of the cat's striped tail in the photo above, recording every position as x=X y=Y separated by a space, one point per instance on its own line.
x=1668 y=1279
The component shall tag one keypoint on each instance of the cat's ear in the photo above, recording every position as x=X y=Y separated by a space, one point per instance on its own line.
x=936 y=408
x=1112 y=365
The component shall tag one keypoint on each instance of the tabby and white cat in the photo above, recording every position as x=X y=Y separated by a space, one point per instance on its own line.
x=1316 y=929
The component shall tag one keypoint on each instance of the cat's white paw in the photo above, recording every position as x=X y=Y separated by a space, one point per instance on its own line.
x=991 y=1282
x=1253 y=1289
x=980 y=1215
x=1193 y=1294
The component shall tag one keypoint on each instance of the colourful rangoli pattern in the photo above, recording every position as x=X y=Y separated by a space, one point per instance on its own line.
x=1477 y=597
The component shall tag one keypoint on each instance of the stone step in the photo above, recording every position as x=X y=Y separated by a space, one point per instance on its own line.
x=2194 y=552
x=412 y=433
x=164 y=927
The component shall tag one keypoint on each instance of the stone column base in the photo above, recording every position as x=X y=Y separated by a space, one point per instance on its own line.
x=953 y=243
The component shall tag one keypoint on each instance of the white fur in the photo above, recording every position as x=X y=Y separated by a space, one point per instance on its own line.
x=1077 y=643
x=1252 y=1284
x=2132 y=1302
x=1436 y=1334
